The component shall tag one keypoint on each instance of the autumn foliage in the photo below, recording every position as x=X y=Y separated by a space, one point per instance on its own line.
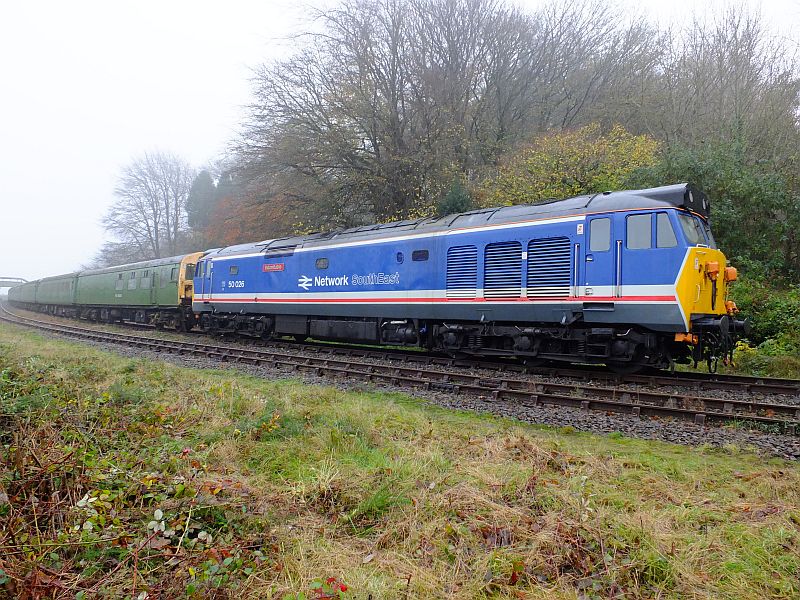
x=569 y=163
x=236 y=220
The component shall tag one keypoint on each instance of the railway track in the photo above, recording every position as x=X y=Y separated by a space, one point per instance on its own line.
x=506 y=385
x=697 y=381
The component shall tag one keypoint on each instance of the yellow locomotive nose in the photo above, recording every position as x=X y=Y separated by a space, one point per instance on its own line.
x=701 y=290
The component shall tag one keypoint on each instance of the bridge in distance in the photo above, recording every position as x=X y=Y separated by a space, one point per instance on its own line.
x=11 y=281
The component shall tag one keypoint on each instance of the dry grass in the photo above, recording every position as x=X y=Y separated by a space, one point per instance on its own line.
x=397 y=499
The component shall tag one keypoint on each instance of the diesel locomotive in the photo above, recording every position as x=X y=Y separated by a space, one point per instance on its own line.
x=628 y=279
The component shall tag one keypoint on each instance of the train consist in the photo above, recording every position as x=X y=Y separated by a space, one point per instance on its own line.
x=628 y=279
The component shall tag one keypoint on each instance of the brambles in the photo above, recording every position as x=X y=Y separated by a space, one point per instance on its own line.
x=94 y=500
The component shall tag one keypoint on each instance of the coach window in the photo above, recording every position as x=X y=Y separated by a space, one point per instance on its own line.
x=665 y=234
x=638 y=232
x=164 y=277
x=173 y=274
x=233 y=270
x=322 y=263
x=600 y=235
x=120 y=283
x=419 y=255
x=146 y=280
x=132 y=281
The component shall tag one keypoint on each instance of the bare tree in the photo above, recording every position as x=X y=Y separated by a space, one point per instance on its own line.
x=387 y=102
x=722 y=80
x=148 y=216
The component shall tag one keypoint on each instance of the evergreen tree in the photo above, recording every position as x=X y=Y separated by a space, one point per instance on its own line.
x=227 y=187
x=456 y=200
x=202 y=197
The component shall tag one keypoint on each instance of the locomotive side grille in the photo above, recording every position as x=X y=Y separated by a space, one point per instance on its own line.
x=549 y=267
x=502 y=271
x=462 y=272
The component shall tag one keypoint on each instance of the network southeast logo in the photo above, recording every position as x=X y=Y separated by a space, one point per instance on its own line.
x=306 y=282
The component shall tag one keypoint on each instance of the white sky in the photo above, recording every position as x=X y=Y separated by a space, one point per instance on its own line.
x=85 y=86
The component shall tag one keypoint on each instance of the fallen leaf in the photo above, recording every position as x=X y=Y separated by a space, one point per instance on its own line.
x=158 y=543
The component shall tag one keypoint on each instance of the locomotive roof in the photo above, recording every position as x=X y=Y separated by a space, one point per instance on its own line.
x=672 y=196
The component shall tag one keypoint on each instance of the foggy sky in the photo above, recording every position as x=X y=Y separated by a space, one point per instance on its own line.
x=87 y=86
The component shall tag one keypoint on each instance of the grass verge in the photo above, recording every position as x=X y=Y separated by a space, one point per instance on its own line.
x=136 y=478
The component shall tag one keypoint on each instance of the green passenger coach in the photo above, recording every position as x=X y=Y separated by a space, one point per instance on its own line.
x=157 y=292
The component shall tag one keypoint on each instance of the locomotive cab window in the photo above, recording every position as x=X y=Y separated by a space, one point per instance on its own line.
x=600 y=235
x=419 y=255
x=190 y=271
x=665 y=234
x=173 y=274
x=691 y=229
x=638 y=232
x=233 y=270
x=322 y=263
x=709 y=236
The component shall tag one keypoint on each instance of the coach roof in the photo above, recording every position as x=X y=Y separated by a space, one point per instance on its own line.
x=145 y=264
x=672 y=196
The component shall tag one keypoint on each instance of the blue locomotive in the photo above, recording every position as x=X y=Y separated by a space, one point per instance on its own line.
x=629 y=279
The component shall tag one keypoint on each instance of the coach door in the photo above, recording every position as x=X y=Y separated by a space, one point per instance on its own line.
x=602 y=255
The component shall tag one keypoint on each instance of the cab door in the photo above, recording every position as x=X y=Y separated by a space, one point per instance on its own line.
x=199 y=278
x=208 y=275
x=601 y=259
